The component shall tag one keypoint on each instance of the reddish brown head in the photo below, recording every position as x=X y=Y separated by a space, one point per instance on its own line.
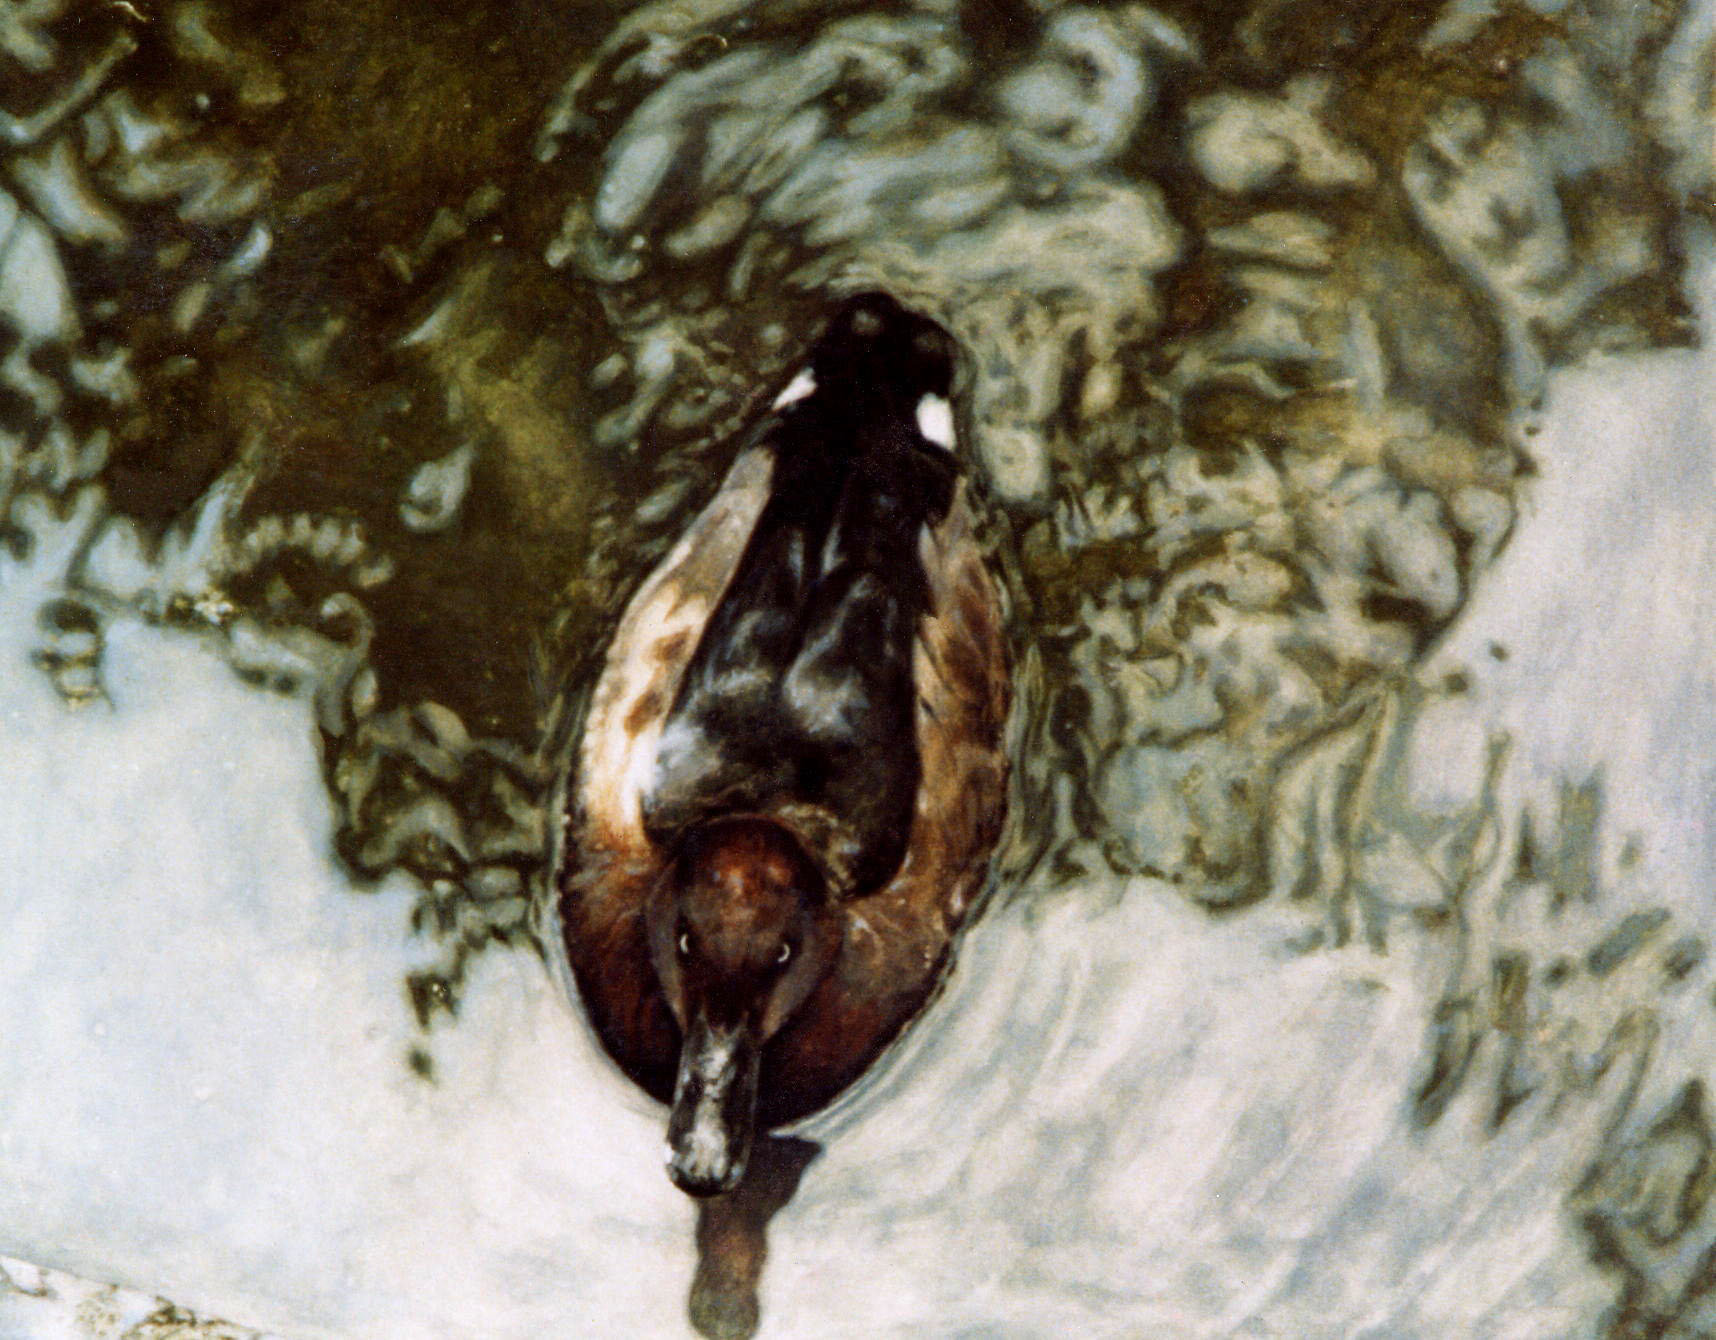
x=741 y=931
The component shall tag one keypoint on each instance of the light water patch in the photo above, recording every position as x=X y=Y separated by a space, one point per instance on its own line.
x=211 y=1034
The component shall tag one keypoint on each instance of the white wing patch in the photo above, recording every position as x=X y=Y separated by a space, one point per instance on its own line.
x=797 y=389
x=935 y=421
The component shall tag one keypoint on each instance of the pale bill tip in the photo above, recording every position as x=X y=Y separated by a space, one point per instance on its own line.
x=935 y=421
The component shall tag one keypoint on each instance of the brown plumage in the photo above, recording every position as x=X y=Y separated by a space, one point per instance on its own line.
x=756 y=946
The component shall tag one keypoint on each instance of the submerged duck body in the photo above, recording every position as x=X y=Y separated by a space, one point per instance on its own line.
x=791 y=770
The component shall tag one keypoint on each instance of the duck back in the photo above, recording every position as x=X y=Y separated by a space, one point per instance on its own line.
x=798 y=702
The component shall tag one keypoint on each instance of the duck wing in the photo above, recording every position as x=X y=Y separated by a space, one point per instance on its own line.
x=647 y=659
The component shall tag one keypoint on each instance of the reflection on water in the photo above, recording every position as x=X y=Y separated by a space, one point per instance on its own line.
x=1264 y=1033
x=37 y=1303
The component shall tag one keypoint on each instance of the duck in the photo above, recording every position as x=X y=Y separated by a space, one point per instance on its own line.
x=791 y=771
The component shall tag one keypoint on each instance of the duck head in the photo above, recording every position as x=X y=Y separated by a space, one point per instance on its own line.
x=741 y=931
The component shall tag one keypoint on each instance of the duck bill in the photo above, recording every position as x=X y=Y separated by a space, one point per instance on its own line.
x=714 y=1108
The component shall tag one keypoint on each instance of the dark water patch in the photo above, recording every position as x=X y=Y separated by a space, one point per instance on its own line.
x=1625 y=941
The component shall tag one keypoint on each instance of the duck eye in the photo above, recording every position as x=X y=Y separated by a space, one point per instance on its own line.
x=785 y=954
x=685 y=944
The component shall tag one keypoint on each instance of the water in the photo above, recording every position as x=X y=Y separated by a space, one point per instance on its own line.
x=277 y=1045
x=1122 y=1117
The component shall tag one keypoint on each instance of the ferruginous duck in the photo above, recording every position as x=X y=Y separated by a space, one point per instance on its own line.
x=791 y=770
